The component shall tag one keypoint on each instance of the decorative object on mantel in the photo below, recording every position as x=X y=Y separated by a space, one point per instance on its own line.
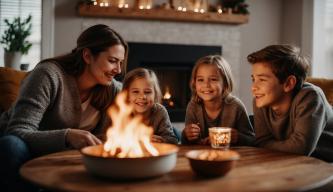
x=234 y=6
x=14 y=40
x=144 y=4
x=226 y=11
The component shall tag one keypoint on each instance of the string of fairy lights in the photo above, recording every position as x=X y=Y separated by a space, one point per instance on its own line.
x=199 y=6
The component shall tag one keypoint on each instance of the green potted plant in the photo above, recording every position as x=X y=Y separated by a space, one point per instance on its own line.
x=15 y=41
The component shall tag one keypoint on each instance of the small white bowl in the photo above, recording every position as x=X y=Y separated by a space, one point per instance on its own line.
x=130 y=168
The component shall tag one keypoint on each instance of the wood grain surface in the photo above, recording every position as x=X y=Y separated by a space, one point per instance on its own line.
x=257 y=170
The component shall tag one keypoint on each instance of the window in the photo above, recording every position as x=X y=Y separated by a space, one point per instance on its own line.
x=14 y=8
x=323 y=41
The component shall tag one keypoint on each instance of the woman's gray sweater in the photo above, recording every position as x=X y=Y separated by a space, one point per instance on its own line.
x=47 y=106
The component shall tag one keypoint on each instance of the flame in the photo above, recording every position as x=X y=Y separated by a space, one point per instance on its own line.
x=128 y=136
x=167 y=94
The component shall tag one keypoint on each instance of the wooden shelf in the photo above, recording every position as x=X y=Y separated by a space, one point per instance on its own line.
x=161 y=14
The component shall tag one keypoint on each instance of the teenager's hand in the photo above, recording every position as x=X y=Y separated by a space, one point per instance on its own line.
x=192 y=132
x=234 y=135
x=157 y=139
x=77 y=138
x=205 y=141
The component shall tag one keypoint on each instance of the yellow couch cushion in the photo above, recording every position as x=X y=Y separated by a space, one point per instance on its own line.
x=325 y=84
x=10 y=81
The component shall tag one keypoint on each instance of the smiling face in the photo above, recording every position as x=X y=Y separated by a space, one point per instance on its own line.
x=208 y=83
x=106 y=65
x=141 y=95
x=266 y=88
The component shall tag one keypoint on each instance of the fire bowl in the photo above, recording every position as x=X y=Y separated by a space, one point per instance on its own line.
x=130 y=168
x=212 y=163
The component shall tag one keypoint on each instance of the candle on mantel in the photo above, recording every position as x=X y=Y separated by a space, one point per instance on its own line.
x=219 y=9
x=102 y=3
x=123 y=4
x=196 y=6
x=145 y=4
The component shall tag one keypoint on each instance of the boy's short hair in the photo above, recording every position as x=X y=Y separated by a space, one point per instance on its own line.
x=284 y=60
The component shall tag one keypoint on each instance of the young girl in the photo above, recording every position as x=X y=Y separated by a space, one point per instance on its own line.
x=212 y=104
x=145 y=95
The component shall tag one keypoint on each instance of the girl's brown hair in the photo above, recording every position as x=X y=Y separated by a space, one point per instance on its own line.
x=97 y=38
x=223 y=69
x=148 y=74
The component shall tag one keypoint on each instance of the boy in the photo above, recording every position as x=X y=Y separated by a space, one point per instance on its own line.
x=290 y=115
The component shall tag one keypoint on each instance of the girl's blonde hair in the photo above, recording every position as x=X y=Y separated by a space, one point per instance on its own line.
x=224 y=70
x=148 y=74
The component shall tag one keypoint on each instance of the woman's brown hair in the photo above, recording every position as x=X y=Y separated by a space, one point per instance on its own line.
x=97 y=38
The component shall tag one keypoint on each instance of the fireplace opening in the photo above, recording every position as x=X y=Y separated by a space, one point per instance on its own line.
x=173 y=65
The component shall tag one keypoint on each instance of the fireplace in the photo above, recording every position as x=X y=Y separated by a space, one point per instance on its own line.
x=172 y=64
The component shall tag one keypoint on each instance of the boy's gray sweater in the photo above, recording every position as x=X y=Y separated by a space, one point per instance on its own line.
x=307 y=129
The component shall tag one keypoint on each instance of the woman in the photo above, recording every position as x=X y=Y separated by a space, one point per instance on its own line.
x=62 y=102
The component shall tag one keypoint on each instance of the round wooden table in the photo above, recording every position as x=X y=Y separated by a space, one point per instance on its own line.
x=257 y=170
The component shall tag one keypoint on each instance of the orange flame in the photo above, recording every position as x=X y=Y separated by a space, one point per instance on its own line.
x=167 y=94
x=128 y=136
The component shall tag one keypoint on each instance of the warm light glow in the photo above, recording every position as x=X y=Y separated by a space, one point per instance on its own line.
x=145 y=4
x=184 y=9
x=128 y=136
x=126 y=5
x=101 y=4
x=197 y=6
x=202 y=10
x=95 y=3
x=179 y=8
x=167 y=94
x=121 y=3
x=106 y=4
x=220 y=11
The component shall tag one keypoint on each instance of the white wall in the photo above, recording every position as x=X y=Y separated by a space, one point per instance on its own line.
x=264 y=28
x=323 y=39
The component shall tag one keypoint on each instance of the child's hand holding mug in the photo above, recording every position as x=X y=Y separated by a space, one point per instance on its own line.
x=192 y=132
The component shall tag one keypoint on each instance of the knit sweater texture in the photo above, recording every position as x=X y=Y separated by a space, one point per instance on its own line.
x=47 y=106
x=307 y=128
x=233 y=115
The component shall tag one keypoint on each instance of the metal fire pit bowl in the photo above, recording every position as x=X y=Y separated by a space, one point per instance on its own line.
x=130 y=168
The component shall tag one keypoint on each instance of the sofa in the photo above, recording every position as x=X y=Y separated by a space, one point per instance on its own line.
x=325 y=84
x=10 y=81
